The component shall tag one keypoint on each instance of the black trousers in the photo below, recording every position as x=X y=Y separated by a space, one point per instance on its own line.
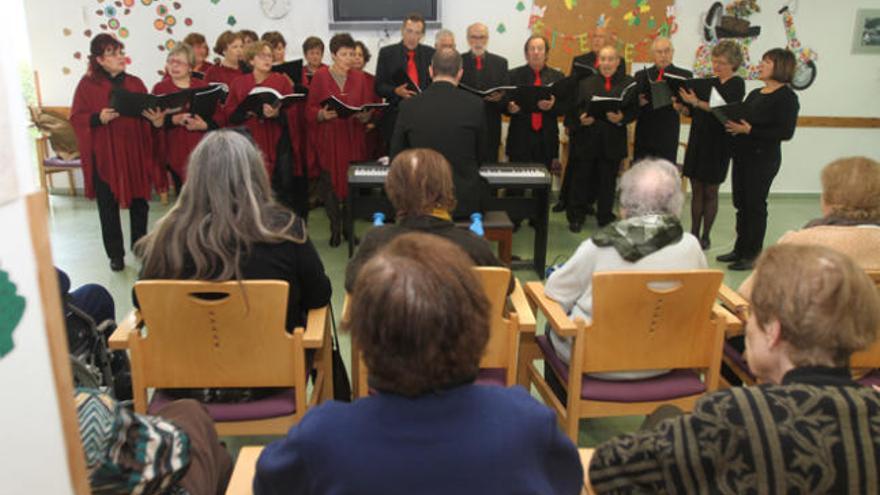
x=753 y=173
x=537 y=150
x=593 y=179
x=111 y=226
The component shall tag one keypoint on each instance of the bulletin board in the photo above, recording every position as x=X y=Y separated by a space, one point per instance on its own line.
x=632 y=24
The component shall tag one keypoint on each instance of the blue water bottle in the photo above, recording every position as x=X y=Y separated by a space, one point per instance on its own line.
x=477 y=224
x=378 y=219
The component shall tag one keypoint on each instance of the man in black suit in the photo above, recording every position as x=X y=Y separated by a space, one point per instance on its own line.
x=484 y=70
x=400 y=68
x=451 y=122
x=657 y=130
x=533 y=135
x=581 y=65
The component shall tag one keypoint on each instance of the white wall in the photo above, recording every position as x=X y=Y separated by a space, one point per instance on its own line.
x=33 y=459
x=847 y=84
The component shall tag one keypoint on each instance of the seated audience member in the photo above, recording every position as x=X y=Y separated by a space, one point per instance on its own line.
x=92 y=299
x=421 y=317
x=174 y=452
x=226 y=226
x=807 y=429
x=648 y=237
x=419 y=185
x=850 y=220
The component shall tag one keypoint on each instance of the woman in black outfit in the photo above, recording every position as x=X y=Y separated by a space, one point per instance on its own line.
x=709 y=147
x=773 y=112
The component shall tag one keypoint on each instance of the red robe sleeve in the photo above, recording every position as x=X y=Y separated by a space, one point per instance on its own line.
x=81 y=111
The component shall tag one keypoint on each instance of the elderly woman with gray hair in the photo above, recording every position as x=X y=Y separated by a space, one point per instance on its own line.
x=648 y=236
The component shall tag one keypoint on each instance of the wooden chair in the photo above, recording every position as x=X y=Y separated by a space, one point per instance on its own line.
x=498 y=365
x=48 y=164
x=236 y=340
x=637 y=325
x=865 y=364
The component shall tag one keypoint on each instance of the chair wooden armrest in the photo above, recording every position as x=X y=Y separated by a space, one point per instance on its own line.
x=242 y=480
x=124 y=330
x=520 y=305
x=586 y=456
x=733 y=324
x=733 y=301
x=554 y=313
x=316 y=322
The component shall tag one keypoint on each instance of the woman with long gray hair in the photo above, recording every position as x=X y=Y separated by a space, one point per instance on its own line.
x=226 y=226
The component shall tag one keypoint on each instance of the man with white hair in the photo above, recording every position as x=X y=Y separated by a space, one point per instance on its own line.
x=648 y=236
x=657 y=129
x=444 y=39
x=484 y=70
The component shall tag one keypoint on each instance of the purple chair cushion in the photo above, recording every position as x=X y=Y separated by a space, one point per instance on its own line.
x=677 y=383
x=492 y=376
x=58 y=162
x=280 y=404
x=871 y=379
x=737 y=359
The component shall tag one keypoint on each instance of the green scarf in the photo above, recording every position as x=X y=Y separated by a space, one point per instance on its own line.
x=635 y=238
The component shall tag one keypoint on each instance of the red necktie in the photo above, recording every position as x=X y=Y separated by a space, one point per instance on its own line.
x=608 y=84
x=411 y=70
x=479 y=63
x=537 y=118
x=660 y=75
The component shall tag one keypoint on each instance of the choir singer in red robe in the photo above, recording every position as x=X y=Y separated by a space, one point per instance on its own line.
x=182 y=131
x=228 y=46
x=338 y=140
x=116 y=151
x=266 y=129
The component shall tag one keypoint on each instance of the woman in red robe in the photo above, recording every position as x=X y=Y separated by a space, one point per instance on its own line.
x=116 y=151
x=182 y=131
x=228 y=46
x=266 y=129
x=302 y=135
x=338 y=141
x=199 y=44
x=375 y=144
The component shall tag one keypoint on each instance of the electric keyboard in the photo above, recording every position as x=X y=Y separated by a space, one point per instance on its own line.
x=366 y=195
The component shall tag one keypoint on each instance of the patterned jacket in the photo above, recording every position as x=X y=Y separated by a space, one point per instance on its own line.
x=817 y=432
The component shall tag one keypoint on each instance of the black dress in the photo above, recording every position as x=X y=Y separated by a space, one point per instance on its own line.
x=709 y=146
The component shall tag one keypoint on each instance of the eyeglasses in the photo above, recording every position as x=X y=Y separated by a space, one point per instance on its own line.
x=478 y=36
x=177 y=63
x=263 y=55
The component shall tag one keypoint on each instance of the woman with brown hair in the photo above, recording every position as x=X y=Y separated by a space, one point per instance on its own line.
x=228 y=46
x=338 y=141
x=850 y=221
x=200 y=48
x=267 y=127
x=757 y=153
x=421 y=317
x=119 y=166
x=707 y=157
x=419 y=185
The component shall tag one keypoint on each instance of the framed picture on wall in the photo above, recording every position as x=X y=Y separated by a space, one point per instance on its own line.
x=866 y=36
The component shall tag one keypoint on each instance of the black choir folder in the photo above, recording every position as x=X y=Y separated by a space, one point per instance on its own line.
x=733 y=111
x=294 y=71
x=400 y=78
x=583 y=70
x=662 y=92
x=598 y=106
x=204 y=102
x=485 y=92
x=261 y=95
x=133 y=104
x=343 y=110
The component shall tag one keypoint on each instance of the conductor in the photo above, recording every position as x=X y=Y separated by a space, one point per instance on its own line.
x=452 y=122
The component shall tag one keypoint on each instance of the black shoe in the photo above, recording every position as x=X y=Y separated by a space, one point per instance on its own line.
x=117 y=264
x=742 y=265
x=576 y=227
x=705 y=243
x=728 y=258
x=335 y=238
x=558 y=207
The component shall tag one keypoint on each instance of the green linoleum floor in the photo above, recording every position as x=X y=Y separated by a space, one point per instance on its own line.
x=77 y=249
